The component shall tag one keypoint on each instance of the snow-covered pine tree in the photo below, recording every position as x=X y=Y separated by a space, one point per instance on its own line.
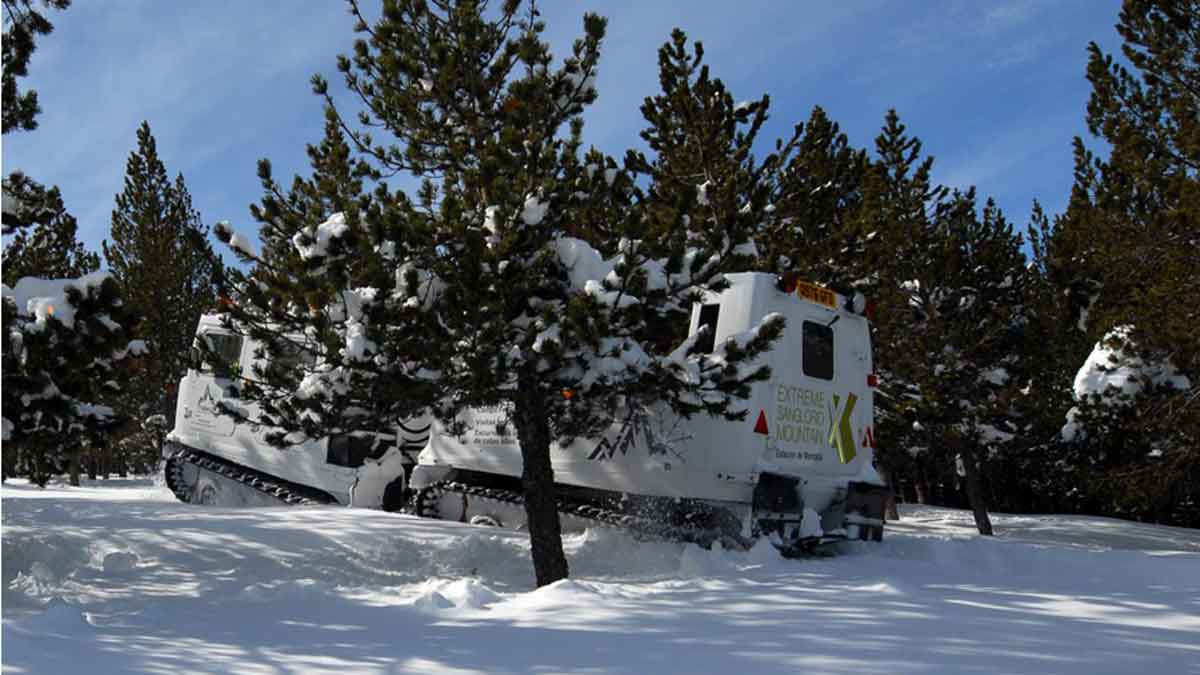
x=47 y=250
x=326 y=246
x=63 y=347
x=490 y=290
x=1130 y=228
x=167 y=271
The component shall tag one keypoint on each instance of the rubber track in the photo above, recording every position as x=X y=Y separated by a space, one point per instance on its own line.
x=286 y=491
x=425 y=505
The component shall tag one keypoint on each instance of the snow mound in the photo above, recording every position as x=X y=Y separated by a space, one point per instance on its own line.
x=469 y=594
x=119 y=562
x=432 y=601
x=462 y=594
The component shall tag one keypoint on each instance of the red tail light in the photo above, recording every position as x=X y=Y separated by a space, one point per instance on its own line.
x=872 y=380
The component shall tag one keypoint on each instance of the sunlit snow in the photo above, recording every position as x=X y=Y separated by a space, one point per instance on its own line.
x=117 y=577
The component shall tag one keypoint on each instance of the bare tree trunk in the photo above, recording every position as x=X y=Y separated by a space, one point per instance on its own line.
x=975 y=492
x=537 y=477
x=73 y=465
x=892 y=513
x=921 y=485
x=93 y=458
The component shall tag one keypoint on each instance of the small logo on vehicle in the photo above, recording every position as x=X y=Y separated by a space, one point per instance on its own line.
x=207 y=402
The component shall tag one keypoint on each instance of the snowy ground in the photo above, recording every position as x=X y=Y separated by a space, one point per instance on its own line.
x=118 y=577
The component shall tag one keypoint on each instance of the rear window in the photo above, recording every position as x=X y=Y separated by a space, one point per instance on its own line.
x=352 y=450
x=817 y=359
x=223 y=356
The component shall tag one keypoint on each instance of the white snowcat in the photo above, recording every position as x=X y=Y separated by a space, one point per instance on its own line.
x=797 y=469
x=212 y=460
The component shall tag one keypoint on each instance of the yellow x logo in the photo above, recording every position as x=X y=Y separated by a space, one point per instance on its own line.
x=840 y=434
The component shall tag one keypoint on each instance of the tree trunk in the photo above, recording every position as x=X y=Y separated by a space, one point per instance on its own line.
x=892 y=513
x=922 y=488
x=537 y=477
x=975 y=492
x=73 y=466
x=92 y=460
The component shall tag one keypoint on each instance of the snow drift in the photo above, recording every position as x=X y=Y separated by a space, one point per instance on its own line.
x=120 y=577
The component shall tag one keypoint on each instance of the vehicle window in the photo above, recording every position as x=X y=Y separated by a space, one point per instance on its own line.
x=293 y=356
x=352 y=450
x=708 y=317
x=226 y=351
x=817 y=359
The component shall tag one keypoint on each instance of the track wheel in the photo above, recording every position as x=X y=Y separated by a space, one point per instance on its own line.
x=424 y=501
x=486 y=520
x=206 y=493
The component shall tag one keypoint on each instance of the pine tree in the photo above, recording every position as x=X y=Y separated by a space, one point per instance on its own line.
x=66 y=329
x=167 y=271
x=951 y=286
x=1130 y=233
x=483 y=294
x=894 y=193
x=22 y=24
x=1036 y=473
x=25 y=201
x=49 y=250
x=703 y=175
x=821 y=193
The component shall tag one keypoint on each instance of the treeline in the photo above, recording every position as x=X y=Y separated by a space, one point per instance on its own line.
x=91 y=358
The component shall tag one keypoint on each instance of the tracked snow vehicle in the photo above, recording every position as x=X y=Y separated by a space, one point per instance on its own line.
x=798 y=469
x=212 y=460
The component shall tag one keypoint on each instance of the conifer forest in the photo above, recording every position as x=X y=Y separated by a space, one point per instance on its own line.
x=1049 y=366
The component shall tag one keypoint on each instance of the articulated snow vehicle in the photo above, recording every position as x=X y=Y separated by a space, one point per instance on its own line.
x=798 y=469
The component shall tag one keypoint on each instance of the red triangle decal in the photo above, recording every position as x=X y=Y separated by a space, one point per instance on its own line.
x=760 y=427
x=869 y=439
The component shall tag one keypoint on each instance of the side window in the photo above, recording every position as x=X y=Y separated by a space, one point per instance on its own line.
x=817 y=360
x=293 y=356
x=708 y=317
x=352 y=450
x=226 y=351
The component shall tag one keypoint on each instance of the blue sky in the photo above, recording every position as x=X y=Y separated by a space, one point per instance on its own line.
x=995 y=91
